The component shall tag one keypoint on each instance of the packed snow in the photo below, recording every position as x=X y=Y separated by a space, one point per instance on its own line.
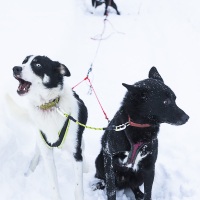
x=165 y=34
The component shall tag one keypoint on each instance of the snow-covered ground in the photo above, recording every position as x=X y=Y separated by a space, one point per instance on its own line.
x=165 y=34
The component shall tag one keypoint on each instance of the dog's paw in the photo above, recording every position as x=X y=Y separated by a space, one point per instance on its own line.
x=98 y=185
x=139 y=195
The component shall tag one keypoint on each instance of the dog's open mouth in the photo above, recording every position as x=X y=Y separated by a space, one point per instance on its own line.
x=24 y=86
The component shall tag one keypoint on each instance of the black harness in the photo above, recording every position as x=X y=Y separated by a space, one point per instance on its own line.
x=62 y=134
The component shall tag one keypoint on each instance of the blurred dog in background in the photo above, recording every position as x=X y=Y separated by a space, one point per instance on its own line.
x=96 y=3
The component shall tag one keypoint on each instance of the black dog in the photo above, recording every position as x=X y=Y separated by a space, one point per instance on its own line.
x=127 y=158
x=96 y=3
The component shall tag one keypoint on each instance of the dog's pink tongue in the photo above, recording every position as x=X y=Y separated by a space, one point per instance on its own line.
x=23 y=88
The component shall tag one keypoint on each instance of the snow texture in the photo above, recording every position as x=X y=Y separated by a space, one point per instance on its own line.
x=165 y=34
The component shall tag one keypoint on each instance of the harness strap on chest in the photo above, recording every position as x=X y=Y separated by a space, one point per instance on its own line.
x=135 y=149
x=62 y=135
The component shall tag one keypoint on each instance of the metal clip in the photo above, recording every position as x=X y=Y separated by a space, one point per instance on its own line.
x=121 y=127
x=60 y=111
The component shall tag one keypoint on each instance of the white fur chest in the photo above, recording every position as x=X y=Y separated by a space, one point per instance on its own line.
x=135 y=165
x=49 y=122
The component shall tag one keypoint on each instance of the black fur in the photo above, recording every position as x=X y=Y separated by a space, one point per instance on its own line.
x=82 y=118
x=42 y=65
x=96 y=3
x=146 y=102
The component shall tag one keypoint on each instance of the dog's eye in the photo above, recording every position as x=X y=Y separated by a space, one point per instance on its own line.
x=167 y=102
x=38 y=65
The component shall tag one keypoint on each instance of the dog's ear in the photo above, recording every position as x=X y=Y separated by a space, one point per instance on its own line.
x=128 y=87
x=153 y=73
x=62 y=69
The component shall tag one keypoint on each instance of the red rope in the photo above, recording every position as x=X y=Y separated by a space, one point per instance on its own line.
x=79 y=83
x=98 y=99
x=90 y=69
x=91 y=86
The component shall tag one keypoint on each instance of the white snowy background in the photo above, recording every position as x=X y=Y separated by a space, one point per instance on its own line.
x=161 y=33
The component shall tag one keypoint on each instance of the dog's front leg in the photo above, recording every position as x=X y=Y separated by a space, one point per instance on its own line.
x=78 y=169
x=49 y=164
x=110 y=176
x=106 y=7
x=148 y=183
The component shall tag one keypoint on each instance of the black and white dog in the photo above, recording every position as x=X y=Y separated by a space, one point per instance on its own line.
x=96 y=3
x=127 y=158
x=42 y=82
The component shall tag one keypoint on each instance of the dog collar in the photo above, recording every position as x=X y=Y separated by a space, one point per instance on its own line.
x=49 y=105
x=131 y=123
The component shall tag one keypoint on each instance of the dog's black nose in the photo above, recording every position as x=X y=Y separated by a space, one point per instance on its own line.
x=185 y=118
x=17 y=70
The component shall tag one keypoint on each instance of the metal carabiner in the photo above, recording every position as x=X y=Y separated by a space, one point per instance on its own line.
x=120 y=127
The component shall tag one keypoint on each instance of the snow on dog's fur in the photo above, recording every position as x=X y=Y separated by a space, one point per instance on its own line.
x=127 y=158
x=42 y=82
